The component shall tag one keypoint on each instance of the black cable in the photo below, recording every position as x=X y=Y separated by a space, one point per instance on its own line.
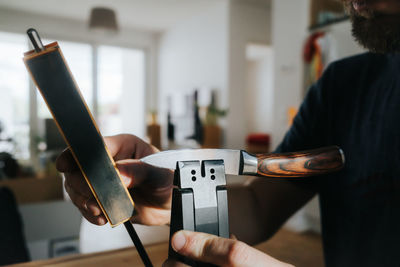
x=138 y=244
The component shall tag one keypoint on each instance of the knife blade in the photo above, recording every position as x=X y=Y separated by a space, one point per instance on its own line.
x=168 y=159
x=239 y=162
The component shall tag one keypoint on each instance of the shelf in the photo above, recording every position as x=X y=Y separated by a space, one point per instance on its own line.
x=328 y=23
x=33 y=190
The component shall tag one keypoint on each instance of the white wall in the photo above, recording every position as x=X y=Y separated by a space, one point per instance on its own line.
x=259 y=89
x=249 y=23
x=193 y=55
x=289 y=30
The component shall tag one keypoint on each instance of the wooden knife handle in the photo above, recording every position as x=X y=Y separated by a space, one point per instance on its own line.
x=301 y=164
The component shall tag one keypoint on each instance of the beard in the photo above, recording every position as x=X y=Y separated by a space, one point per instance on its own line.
x=379 y=33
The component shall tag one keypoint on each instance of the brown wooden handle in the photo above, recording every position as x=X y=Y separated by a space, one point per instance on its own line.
x=300 y=164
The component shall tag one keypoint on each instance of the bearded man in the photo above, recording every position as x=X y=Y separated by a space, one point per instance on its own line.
x=355 y=105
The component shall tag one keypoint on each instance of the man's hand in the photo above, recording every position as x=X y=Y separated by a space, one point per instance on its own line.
x=150 y=187
x=218 y=251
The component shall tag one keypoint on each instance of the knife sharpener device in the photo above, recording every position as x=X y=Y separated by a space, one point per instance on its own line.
x=54 y=80
x=199 y=202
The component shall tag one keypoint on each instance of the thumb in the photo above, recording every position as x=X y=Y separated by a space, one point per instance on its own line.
x=220 y=251
x=131 y=171
x=135 y=172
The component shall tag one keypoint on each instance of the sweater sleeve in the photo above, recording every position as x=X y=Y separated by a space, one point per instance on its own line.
x=311 y=126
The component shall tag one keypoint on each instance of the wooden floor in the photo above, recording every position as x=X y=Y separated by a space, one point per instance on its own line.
x=297 y=249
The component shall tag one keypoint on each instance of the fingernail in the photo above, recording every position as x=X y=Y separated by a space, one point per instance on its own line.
x=94 y=209
x=178 y=241
x=127 y=181
x=101 y=220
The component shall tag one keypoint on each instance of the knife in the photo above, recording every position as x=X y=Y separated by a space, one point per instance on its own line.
x=239 y=162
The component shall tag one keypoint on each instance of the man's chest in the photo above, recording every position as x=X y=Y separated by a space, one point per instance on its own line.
x=368 y=131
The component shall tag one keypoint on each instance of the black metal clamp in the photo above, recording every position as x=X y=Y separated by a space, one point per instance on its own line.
x=199 y=202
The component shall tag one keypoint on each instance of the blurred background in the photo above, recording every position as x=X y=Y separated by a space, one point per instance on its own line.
x=178 y=73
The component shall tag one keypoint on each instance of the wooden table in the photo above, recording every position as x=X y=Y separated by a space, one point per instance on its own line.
x=298 y=249
x=116 y=258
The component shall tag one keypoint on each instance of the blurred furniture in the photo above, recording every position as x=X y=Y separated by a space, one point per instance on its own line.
x=9 y=167
x=212 y=136
x=258 y=143
x=324 y=12
x=32 y=190
x=292 y=112
x=154 y=135
x=154 y=131
x=301 y=250
x=12 y=240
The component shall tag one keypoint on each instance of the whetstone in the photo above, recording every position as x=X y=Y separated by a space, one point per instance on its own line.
x=54 y=80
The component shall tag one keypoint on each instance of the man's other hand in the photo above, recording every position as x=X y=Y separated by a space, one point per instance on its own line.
x=219 y=251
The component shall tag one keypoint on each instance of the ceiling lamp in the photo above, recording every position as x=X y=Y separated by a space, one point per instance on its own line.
x=103 y=19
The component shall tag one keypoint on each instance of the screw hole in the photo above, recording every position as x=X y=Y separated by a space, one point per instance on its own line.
x=193 y=172
x=212 y=170
x=194 y=178
x=212 y=177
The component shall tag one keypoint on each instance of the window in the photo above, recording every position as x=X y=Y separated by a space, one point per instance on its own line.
x=120 y=92
x=14 y=96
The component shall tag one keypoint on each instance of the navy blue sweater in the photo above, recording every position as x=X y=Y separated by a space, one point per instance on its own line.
x=356 y=105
